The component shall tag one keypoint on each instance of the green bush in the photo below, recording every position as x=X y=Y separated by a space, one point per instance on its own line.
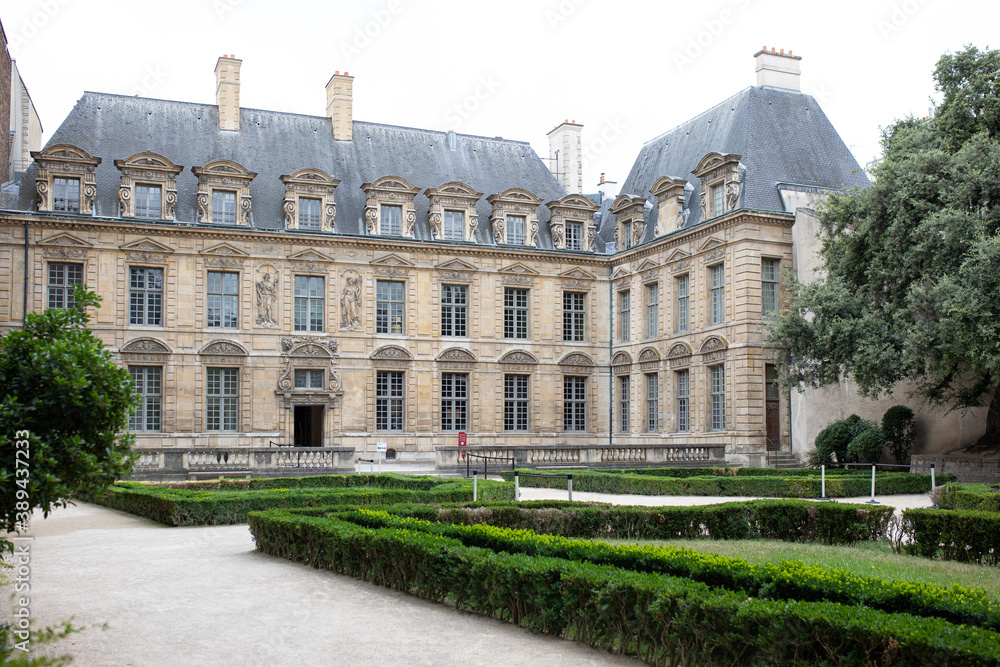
x=866 y=447
x=664 y=620
x=900 y=430
x=788 y=580
x=832 y=442
x=979 y=497
x=960 y=535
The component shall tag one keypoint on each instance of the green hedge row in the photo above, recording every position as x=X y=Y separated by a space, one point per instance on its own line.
x=789 y=520
x=682 y=473
x=788 y=580
x=184 y=507
x=664 y=620
x=961 y=535
x=979 y=497
x=837 y=486
x=380 y=481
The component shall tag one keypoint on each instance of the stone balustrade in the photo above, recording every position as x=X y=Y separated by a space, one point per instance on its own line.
x=178 y=464
x=449 y=458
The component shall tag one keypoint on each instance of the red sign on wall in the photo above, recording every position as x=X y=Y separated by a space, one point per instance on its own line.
x=462 y=438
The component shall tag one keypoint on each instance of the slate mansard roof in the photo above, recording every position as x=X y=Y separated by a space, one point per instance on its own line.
x=782 y=135
x=273 y=143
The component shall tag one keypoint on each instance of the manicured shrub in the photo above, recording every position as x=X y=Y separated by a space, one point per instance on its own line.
x=960 y=535
x=980 y=497
x=832 y=442
x=866 y=447
x=900 y=430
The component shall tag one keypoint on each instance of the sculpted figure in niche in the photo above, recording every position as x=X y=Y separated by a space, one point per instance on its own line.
x=557 y=236
x=437 y=225
x=732 y=194
x=350 y=303
x=267 y=292
x=498 y=229
x=703 y=200
x=592 y=239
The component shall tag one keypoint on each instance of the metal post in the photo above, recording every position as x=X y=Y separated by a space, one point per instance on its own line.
x=873 y=501
x=517 y=488
x=822 y=473
x=475 y=487
x=569 y=485
x=371 y=466
x=486 y=468
x=466 y=464
x=380 y=461
x=932 y=477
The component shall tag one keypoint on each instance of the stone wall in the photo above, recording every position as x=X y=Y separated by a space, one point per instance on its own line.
x=967 y=468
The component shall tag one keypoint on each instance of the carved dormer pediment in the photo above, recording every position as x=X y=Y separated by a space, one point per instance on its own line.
x=519 y=269
x=224 y=249
x=392 y=260
x=74 y=164
x=146 y=245
x=456 y=265
x=514 y=205
x=576 y=273
x=677 y=255
x=310 y=184
x=647 y=265
x=453 y=197
x=621 y=273
x=397 y=194
x=711 y=243
x=310 y=255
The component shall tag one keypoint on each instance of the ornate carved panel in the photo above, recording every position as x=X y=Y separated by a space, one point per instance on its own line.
x=453 y=196
x=64 y=246
x=386 y=191
x=351 y=301
x=66 y=161
x=719 y=170
x=572 y=208
x=228 y=176
x=391 y=356
x=148 y=169
x=144 y=350
x=310 y=184
x=514 y=201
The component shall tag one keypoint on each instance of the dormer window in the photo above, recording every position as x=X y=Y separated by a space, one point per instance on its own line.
x=574 y=236
x=452 y=215
x=389 y=210
x=224 y=192
x=148 y=187
x=309 y=200
x=66 y=179
x=514 y=220
x=572 y=217
x=670 y=203
x=721 y=184
x=630 y=219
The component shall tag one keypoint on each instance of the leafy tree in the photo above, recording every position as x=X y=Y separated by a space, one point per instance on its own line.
x=833 y=442
x=64 y=407
x=867 y=445
x=900 y=430
x=911 y=287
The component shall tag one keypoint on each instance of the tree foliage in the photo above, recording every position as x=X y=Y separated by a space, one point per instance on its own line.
x=911 y=280
x=900 y=430
x=64 y=401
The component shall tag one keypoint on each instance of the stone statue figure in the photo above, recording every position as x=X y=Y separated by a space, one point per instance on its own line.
x=267 y=292
x=732 y=195
x=350 y=304
x=592 y=239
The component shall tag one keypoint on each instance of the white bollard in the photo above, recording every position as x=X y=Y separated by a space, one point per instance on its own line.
x=932 y=477
x=475 y=488
x=517 y=489
x=873 y=501
x=822 y=482
x=569 y=485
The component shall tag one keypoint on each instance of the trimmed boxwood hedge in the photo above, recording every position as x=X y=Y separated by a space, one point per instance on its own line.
x=788 y=580
x=186 y=507
x=961 y=535
x=980 y=497
x=789 y=520
x=795 y=486
x=664 y=620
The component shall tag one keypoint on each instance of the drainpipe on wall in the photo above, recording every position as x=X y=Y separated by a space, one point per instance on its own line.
x=611 y=370
x=24 y=319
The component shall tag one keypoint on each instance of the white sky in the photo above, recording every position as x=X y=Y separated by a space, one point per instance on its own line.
x=627 y=70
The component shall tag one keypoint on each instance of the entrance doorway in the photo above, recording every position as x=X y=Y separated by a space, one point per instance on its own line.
x=771 y=408
x=308 y=430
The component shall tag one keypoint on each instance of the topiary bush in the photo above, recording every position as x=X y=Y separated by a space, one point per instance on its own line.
x=867 y=446
x=832 y=442
x=900 y=430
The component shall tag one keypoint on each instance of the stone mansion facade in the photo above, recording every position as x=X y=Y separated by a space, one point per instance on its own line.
x=320 y=281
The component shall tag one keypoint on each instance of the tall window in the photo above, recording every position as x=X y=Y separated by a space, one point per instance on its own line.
x=224 y=207
x=454 y=225
x=453 y=310
x=515 y=312
x=147 y=381
x=718 y=293
x=683 y=405
x=389 y=401
x=652 y=309
x=392 y=220
x=454 y=401
x=717 y=200
x=718 y=389
x=625 y=235
x=623 y=403
x=574 y=403
x=769 y=286
x=652 y=402
x=388 y=307
x=625 y=315
x=145 y=296
x=223 y=300
x=222 y=398
x=309 y=213
x=308 y=378
x=573 y=316
x=683 y=308
x=147 y=201
x=574 y=236
x=66 y=194
x=515 y=402
x=62 y=279
x=308 y=303
x=515 y=229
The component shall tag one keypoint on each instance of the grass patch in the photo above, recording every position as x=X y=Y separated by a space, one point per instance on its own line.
x=866 y=559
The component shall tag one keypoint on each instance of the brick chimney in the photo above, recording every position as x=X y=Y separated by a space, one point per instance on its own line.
x=340 y=105
x=227 y=92
x=566 y=156
x=778 y=69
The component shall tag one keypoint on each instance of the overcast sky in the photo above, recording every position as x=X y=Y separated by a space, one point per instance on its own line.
x=627 y=70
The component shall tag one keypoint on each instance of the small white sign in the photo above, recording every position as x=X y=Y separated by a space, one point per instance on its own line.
x=381 y=446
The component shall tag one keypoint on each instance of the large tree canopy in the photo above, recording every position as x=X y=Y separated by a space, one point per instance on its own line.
x=911 y=283
x=64 y=407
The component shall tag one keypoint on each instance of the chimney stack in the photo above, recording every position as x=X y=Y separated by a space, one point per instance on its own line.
x=340 y=105
x=227 y=92
x=778 y=69
x=566 y=156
